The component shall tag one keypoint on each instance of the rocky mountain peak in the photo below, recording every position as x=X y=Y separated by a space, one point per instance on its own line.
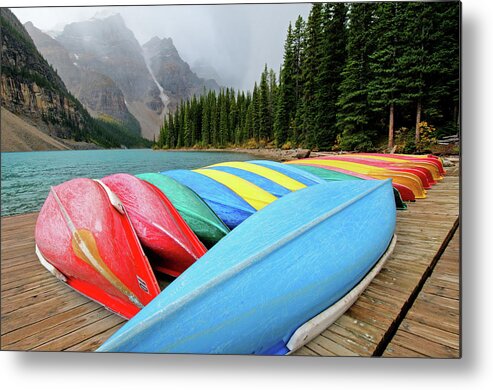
x=107 y=46
x=172 y=72
x=97 y=92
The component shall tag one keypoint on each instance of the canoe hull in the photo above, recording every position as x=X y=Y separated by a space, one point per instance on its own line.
x=90 y=245
x=157 y=223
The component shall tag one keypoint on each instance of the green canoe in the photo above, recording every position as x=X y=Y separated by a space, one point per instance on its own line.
x=329 y=175
x=196 y=213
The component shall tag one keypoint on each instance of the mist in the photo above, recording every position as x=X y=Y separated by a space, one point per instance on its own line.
x=237 y=40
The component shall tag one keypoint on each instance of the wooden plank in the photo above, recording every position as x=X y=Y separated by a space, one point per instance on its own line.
x=431 y=333
x=82 y=334
x=423 y=346
x=41 y=310
x=93 y=342
x=352 y=341
x=333 y=347
x=48 y=323
x=435 y=315
x=33 y=296
x=318 y=349
x=44 y=336
x=305 y=351
x=398 y=351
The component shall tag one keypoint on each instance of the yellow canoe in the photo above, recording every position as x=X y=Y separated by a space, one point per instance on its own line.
x=252 y=194
x=408 y=179
x=276 y=177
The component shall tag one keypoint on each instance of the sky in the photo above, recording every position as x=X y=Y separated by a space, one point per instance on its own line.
x=237 y=40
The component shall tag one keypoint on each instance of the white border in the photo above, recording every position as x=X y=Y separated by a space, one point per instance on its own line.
x=86 y=371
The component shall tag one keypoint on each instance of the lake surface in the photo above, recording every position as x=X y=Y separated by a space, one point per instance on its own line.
x=27 y=176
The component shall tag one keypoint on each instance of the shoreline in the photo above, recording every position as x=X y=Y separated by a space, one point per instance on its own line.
x=273 y=154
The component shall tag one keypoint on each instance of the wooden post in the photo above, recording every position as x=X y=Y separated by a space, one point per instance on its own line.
x=418 y=121
x=391 y=126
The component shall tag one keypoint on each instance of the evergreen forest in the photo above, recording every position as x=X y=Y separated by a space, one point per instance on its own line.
x=355 y=76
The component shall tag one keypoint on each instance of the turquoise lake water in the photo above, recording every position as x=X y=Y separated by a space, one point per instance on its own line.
x=27 y=176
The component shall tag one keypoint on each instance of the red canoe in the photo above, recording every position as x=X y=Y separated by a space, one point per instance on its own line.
x=424 y=175
x=159 y=226
x=85 y=238
x=406 y=193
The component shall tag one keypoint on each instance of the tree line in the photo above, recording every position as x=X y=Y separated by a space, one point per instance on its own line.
x=353 y=75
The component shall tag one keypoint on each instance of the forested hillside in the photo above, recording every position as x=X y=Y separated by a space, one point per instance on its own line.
x=355 y=76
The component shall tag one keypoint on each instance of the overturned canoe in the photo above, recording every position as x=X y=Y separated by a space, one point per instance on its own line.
x=228 y=206
x=197 y=214
x=409 y=180
x=405 y=192
x=253 y=291
x=84 y=237
x=329 y=175
x=422 y=173
x=159 y=226
x=433 y=165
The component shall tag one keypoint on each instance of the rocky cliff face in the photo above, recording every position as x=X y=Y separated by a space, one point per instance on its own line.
x=31 y=88
x=97 y=92
x=172 y=73
x=108 y=47
x=39 y=104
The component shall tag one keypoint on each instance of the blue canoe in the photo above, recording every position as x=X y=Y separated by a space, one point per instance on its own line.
x=259 y=286
x=291 y=171
x=227 y=205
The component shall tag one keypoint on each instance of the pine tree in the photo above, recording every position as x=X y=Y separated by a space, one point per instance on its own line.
x=414 y=63
x=171 y=140
x=206 y=119
x=249 y=120
x=310 y=72
x=265 y=119
x=256 y=112
x=286 y=99
x=353 y=114
x=443 y=80
x=273 y=92
x=223 y=120
x=384 y=90
x=328 y=80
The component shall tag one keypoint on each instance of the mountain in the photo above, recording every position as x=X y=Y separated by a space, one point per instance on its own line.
x=206 y=71
x=36 y=96
x=106 y=46
x=97 y=92
x=172 y=73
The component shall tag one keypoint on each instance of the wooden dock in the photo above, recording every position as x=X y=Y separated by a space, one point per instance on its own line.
x=411 y=309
